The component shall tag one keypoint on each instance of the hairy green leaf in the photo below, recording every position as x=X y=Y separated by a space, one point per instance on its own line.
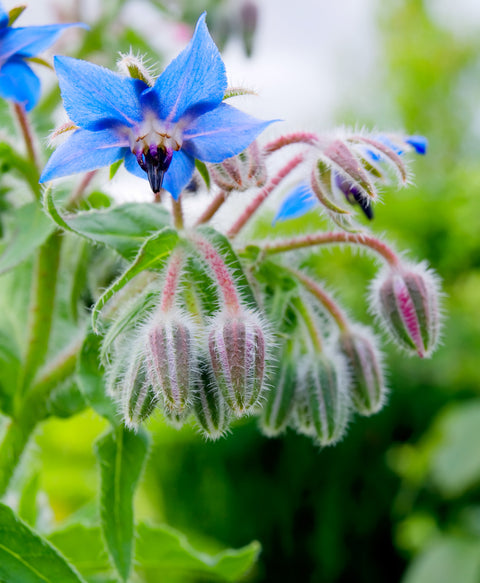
x=167 y=550
x=26 y=557
x=152 y=255
x=121 y=454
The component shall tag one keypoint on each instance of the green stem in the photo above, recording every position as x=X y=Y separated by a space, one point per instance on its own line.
x=27 y=134
x=32 y=410
x=42 y=304
x=177 y=213
x=310 y=324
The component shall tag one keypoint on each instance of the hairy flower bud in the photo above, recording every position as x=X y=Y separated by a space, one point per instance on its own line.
x=280 y=400
x=368 y=390
x=323 y=402
x=406 y=300
x=210 y=409
x=171 y=360
x=240 y=172
x=138 y=399
x=237 y=355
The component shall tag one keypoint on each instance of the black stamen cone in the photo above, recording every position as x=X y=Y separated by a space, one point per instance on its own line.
x=155 y=169
x=364 y=203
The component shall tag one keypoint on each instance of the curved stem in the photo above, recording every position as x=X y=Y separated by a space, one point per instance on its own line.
x=27 y=133
x=325 y=299
x=309 y=321
x=212 y=208
x=307 y=138
x=263 y=194
x=77 y=194
x=32 y=410
x=172 y=277
x=41 y=306
x=334 y=237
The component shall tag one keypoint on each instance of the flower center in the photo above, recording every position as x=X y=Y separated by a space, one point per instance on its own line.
x=153 y=147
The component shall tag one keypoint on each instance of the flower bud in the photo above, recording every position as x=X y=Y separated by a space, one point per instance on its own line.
x=210 y=409
x=368 y=390
x=134 y=66
x=171 y=360
x=280 y=400
x=406 y=300
x=240 y=172
x=323 y=402
x=237 y=355
x=138 y=399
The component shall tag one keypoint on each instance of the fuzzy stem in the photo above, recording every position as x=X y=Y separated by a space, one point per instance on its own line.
x=308 y=319
x=42 y=303
x=177 y=213
x=212 y=208
x=263 y=194
x=31 y=411
x=327 y=301
x=334 y=237
x=172 y=277
x=27 y=133
x=307 y=138
x=76 y=196
x=224 y=279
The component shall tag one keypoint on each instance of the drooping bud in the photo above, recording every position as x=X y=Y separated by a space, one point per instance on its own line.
x=240 y=172
x=210 y=409
x=364 y=359
x=280 y=400
x=171 y=360
x=323 y=401
x=406 y=300
x=236 y=344
x=138 y=399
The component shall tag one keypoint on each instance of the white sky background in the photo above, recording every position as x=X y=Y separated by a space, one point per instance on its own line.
x=308 y=56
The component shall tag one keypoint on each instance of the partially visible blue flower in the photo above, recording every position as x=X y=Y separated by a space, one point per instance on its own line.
x=159 y=130
x=302 y=198
x=17 y=80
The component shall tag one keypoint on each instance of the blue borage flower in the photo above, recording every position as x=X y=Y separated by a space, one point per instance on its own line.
x=159 y=130
x=17 y=80
x=302 y=198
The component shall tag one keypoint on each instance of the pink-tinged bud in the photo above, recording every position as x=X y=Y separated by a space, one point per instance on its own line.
x=280 y=399
x=323 y=402
x=236 y=344
x=406 y=299
x=241 y=172
x=171 y=359
x=210 y=409
x=138 y=399
x=364 y=359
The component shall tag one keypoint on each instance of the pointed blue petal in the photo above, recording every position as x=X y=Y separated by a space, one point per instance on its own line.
x=221 y=133
x=193 y=82
x=296 y=203
x=30 y=40
x=19 y=83
x=179 y=173
x=96 y=98
x=418 y=143
x=3 y=17
x=82 y=152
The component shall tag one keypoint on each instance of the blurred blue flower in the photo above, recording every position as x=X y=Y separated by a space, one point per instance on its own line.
x=17 y=80
x=297 y=203
x=159 y=130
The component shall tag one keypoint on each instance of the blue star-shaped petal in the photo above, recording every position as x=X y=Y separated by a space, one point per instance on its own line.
x=159 y=130
x=17 y=80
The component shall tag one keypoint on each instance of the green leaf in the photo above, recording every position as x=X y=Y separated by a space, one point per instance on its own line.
x=165 y=549
x=224 y=247
x=25 y=557
x=30 y=227
x=66 y=400
x=455 y=463
x=121 y=454
x=152 y=255
x=90 y=378
x=123 y=228
x=445 y=560
x=84 y=547
x=203 y=171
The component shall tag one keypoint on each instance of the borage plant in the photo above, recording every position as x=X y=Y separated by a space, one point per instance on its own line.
x=135 y=310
